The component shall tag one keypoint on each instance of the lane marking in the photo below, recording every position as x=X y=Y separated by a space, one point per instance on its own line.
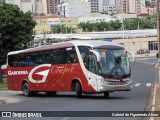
x=148 y=84
x=66 y=118
x=137 y=84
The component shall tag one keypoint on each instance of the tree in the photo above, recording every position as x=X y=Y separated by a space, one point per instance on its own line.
x=62 y=29
x=16 y=29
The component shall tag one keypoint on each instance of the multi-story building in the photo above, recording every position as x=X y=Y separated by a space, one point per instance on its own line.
x=26 y=5
x=14 y=2
x=112 y=6
x=52 y=6
x=133 y=6
x=34 y=6
x=153 y=2
x=74 y=9
x=96 y=5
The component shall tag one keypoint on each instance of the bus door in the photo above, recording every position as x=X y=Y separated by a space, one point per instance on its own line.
x=90 y=72
x=73 y=69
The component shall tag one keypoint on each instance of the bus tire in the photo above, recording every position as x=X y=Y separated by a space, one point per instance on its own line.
x=51 y=93
x=106 y=94
x=78 y=90
x=26 y=90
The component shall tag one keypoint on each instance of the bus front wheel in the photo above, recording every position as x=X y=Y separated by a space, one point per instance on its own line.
x=26 y=90
x=78 y=90
x=106 y=94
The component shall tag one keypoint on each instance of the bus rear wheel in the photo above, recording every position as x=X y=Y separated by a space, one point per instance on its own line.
x=78 y=90
x=106 y=94
x=26 y=90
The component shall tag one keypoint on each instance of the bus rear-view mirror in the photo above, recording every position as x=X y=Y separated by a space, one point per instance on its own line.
x=131 y=56
x=96 y=54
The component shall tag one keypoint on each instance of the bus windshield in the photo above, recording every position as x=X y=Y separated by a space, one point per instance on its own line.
x=113 y=63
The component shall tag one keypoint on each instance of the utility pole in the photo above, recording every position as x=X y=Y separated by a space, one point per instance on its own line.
x=158 y=31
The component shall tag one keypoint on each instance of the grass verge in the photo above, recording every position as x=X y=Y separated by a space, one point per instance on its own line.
x=3 y=84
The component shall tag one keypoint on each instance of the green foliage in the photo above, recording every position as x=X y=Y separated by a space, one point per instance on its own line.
x=16 y=28
x=129 y=24
x=102 y=26
x=140 y=23
x=62 y=29
x=3 y=84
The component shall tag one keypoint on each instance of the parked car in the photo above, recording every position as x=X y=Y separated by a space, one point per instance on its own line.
x=143 y=51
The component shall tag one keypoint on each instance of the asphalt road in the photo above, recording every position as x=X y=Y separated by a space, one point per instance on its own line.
x=143 y=77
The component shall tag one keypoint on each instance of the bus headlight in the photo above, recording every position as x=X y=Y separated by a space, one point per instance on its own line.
x=103 y=81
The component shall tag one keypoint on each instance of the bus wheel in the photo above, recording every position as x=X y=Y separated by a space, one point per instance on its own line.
x=78 y=90
x=26 y=90
x=106 y=94
x=51 y=93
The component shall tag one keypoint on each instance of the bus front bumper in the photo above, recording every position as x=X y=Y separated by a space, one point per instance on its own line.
x=111 y=88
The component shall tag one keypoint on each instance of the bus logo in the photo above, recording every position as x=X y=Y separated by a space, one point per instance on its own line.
x=43 y=73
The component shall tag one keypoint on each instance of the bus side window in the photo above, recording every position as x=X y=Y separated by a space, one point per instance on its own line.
x=12 y=60
x=47 y=57
x=72 y=56
x=36 y=58
x=54 y=56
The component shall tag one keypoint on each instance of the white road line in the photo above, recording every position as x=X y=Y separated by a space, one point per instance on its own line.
x=137 y=84
x=148 y=84
x=65 y=118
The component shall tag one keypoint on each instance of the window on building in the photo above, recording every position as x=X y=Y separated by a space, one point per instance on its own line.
x=153 y=45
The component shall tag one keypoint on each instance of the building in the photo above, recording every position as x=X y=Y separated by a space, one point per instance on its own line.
x=74 y=9
x=94 y=19
x=44 y=23
x=26 y=5
x=52 y=6
x=34 y=6
x=123 y=16
x=112 y=7
x=151 y=10
x=133 y=6
x=96 y=5
x=125 y=6
x=14 y=2
x=153 y=2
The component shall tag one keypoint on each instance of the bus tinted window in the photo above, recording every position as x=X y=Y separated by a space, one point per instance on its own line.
x=47 y=56
x=56 y=56
x=72 y=56
x=36 y=58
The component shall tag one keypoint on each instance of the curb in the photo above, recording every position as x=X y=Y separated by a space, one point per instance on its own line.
x=4 y=89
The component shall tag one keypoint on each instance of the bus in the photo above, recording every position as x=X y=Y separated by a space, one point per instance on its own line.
x=86 y=67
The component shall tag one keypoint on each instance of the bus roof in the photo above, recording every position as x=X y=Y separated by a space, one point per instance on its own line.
x=94 y=43
x=90 y=43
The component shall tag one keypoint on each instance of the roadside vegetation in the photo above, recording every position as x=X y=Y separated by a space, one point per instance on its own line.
x=128 y=24
x=3 y=85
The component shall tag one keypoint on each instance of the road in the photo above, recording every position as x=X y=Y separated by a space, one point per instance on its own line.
x=144 y=76
x=147 y=59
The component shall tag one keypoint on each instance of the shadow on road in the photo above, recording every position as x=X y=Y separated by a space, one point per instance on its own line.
x=72 y=95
